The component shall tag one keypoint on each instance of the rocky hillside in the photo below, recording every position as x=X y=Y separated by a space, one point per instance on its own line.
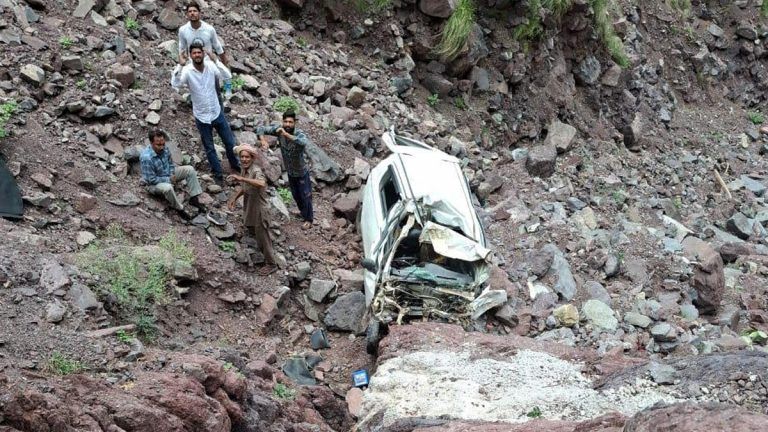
x=625 y=207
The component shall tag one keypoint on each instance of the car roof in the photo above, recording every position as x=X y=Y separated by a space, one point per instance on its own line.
x=428 y=174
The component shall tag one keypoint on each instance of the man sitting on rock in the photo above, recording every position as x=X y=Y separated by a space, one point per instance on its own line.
x=160 y=175
x=292 y=143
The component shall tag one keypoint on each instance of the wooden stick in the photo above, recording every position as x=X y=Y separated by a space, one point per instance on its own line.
x=723 y=185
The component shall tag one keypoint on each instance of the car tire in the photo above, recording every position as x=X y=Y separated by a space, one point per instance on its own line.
x=373 y=334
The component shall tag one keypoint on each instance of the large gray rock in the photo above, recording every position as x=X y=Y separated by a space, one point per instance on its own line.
x=600 y=315
x=83 y=298
x=319 y=289
x=83 y=7
x=323 y=167
x=347 y=205
x=170 y=19
x=145 y=7
x=633 y=133
x=55 y=312
x=53 y=276
x=740 y=226
x=438 y=8
x=708 y=281
x=74 y=63
x=541 y=161
x=347 y=313
x=33 y=74
x=437 y=84
x=560 y=136
x=588 y=71
x=566 y=284
x=123 y=74
x=356 y=97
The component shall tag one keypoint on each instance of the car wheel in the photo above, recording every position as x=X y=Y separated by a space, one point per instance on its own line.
x=373 y=334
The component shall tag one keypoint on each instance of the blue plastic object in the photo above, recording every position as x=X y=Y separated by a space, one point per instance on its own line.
x=360 y=378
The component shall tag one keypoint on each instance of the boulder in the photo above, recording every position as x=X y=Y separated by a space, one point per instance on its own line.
x=541 y=161
x=347 y=205
x=356 y=96
x=438 y=8
x=319 y=289
x=33 y=74
x=560 y=135
x=708 y=281
x=347 y=314
x=600 y=315
x=73 y=63
x=588 y=71
x=695 y=417
x=123 y=74
x=170 y=19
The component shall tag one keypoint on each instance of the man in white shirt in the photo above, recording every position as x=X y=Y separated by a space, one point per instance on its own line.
x=199 y=29
x=200 y=77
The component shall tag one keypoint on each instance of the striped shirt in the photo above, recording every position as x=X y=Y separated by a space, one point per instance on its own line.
x=292 y=151
x=156 y=168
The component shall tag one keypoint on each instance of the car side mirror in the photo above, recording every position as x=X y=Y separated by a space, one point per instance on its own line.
x=369 y=265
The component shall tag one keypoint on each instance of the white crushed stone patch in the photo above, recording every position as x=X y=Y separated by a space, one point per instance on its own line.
x=446 y=384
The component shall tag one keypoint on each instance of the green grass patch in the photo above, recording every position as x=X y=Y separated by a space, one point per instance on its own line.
x=62 y=365
x=433 y=99
x=764 y=9
x=456 y=31
x=284 y=194
x=81 y=84
x=281 y=391
x=301 y=42
x=132 y=24
x=371 y=6
x=66 y=42
x=227 y=246
x=178 y=249
x=7 y=110
x=123 y=336
x=460 y=103
x=535 y=412
x=135 y=279
x=285 y=104
x=756 y=117
x=237 y=82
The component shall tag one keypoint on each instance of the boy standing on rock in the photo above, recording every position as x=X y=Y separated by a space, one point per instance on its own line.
x=200 y=77
x=292 y=143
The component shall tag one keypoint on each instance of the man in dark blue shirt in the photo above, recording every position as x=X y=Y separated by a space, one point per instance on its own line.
x=160 y=175
x=292 y=144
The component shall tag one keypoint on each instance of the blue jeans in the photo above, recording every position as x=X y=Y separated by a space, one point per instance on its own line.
x=227 y=137
x=301 y=189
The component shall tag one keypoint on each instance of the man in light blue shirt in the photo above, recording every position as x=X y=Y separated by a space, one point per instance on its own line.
x=160 y=175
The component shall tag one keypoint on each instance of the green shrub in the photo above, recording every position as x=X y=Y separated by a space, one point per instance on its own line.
x=284 y=194
x=237 y=82
x=764 y=8
x=132 y=24
x=227 y=246
x=371 y=6
x=281 y=391
x=433 y=99
x=7 y=110
x=456 y=31
x=756 y=117
x=459 y=103
x=285 y=104
x=66 y=42
x=62 y=365
x=534 y=413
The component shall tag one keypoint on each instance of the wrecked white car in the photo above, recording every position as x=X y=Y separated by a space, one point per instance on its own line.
x=425 y=250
